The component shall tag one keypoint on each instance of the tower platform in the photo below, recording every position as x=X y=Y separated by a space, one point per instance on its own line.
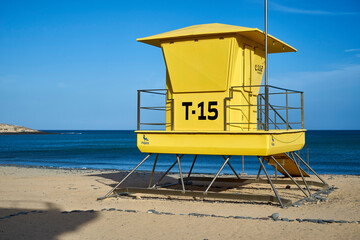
x=248 y=143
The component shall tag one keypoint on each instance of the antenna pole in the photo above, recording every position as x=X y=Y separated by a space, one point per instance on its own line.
x=266 y=73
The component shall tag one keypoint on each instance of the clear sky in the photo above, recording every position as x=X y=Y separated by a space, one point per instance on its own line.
x=77 y=65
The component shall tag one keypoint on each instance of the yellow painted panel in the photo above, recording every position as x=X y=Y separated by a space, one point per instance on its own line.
x=220 y=143
x=280 y=143
x=247 y=67
x=258 y=69
x=169 y=104
x=198 y=65
x=237 y=63
x=199 y=112
x=248 y=72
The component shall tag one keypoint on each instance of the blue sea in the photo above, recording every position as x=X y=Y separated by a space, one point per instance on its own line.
x=331 y=152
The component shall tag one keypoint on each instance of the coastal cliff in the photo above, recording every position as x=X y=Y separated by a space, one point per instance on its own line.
x=13 y=129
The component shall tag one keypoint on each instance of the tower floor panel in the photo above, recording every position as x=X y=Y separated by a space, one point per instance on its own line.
x=249 y=143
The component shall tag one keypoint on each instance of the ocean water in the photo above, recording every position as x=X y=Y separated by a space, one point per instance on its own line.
x=334 y=152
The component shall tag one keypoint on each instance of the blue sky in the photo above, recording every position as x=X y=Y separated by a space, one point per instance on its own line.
x=77 y=65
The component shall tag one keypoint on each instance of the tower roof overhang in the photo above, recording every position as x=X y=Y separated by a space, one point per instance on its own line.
x=218 y=30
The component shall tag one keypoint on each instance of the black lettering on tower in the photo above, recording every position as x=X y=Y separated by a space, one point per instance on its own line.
x=186 y=105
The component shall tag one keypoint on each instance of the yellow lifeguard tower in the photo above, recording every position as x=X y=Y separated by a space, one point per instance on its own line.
x=215 y=104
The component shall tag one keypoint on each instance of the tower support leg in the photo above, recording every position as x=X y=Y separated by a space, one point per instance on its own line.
x=272 y=185
x=153 y=170
x=237 y=175
x=162 y=177
x=192 y=165
x=112 y=190
x=180 y=172
x=217 y=174
x=292 y=179
x=307 y=165
x=302 y=176
x=258 y=175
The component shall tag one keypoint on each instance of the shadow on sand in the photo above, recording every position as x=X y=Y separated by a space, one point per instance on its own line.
x=141 y=179
x=137 y=179
x=50 y=223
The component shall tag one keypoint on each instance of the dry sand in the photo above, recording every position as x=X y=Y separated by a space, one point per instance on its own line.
x=32 y=202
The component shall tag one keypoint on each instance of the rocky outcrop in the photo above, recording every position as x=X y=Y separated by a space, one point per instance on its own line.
x=13 y=129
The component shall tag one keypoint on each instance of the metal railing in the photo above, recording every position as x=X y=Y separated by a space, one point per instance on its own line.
x=278 y=116
x=276 y=119
x=162 y=92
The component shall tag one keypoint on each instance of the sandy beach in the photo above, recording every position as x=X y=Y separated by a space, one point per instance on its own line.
x=40 y=203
